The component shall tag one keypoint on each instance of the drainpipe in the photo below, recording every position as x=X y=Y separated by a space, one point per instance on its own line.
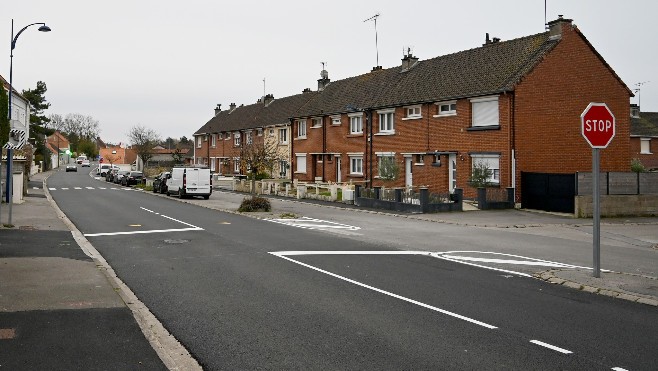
x=208 y=148
x=512 y=139
x=291 y=150
x=324 y=148
x=369 y=140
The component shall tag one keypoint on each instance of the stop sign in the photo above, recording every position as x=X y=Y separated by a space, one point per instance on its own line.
x=598 y=125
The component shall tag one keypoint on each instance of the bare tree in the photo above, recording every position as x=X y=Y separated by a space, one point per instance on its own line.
x=258 y=159
x=143 y=140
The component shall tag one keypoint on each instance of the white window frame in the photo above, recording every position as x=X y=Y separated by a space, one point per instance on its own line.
x=356 y=163
x=283 y=136
x=316 y=122
x=301 y=129
x=300 y=159
x=227 y=136
x=645 y=146
x=380 y=157
x=260 y=132
x=199 y=141
x=485 y=112
x=413 y=112
x=335 y=120
x=250 y=138
x=236 y=139
x=213 y=140
x=451 y=111
x=236 y=165
x=386 y=125
x=493 y=162
x=283 y=168
x=271 y=132
x=356 y=122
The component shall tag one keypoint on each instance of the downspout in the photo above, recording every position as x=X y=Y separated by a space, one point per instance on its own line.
x=290 y=152
x=194 y=151
x=512 y=135
x=324 y=148
x=428 y=128
x=208 y=149
x=369 y=140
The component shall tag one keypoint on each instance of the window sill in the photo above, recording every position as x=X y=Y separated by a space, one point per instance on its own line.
x=446 y=115
x=355 y=135
x=316 y=127
x=481 y=128
x=283 y=143
x=355 y=175
x=300 y=138
x=646 y=153
x=385 y=133
x=418 y=164
x=300 y=172
x=412 y=118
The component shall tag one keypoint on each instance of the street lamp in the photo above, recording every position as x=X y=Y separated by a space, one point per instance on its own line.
x=10 y=151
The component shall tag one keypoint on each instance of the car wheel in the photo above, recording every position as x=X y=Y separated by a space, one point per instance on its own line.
x=181 y=194
x=205 y=197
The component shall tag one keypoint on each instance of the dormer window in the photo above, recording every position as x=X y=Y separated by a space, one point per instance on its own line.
x=413 y=112
x=446 y=108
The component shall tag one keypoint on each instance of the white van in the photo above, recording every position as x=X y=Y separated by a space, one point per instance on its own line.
x=189 y=181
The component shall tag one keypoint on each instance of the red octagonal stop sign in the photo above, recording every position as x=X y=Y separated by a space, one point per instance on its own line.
x=598 y=125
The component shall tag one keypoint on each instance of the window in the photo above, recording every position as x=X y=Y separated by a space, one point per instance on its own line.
x=386 y=124
x=198 y=141
x=413 y=112
x=213 y=140
x=447 y=108
x=260 y=132
x=420 y=159
x=485 y=112
x=356 y=124
x=283 y=136
x=301 y=163
x=317 y=123
x=283 y=168
x=271 y=131
x=335 y=120
x=301 y=129
x=387 y=168
x=212 y=164
x=356 y=165
x=250 y=138
x=227 y=136
x=490 y=162
x=645 y=146
x=236 y=139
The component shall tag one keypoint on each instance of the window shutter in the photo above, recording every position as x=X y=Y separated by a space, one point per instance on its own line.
x=485 y=113
x=301 y=164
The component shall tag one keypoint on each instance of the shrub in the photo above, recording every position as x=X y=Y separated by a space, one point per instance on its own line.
x=637 y=166
x=255 y=203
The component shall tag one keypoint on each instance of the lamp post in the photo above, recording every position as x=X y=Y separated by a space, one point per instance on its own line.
x=10 y=151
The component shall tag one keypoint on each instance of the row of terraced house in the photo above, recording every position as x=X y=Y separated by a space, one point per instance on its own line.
x=512 y=105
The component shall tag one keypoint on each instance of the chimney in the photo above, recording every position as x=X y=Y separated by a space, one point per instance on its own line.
x=218 y=109
x=307 y=90
x=635 y=111
x=555 y=27
x=324 y=80
x=487 y=41
x=376 y=68
x=269 y=98
x=408 y=61
x=231 y=107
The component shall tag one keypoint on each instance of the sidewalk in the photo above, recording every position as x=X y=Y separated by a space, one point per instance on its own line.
x=58 y=310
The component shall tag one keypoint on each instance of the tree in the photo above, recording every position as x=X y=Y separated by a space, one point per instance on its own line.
x=39 y=104
x=184 y=140
x=388 y=168
x=143 y=140
x=77 y=128
x=87 y=147
x=4 y=116
x=637 y=166
x=178 y=155
x=480 y=175
x=259 y=160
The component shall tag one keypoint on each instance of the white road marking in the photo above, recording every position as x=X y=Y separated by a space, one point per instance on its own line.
x=53 y=189
x=311 y=223
x=36 y=188
x=549 y=346
x=443 y=311
x=102 y=188
x=89 y=187
x=619 y=369
x=65 y=188
x=191 y=228
x=77 y=188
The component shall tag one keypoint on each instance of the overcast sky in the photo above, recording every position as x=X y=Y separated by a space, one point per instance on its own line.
x=166 y=64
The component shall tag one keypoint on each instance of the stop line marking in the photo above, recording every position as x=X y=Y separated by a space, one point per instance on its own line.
x=190 y=227
x=312 y=223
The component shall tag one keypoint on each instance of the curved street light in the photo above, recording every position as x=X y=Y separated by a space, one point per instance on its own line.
x=10 y=151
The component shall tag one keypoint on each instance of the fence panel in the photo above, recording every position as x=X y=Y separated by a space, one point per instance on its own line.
x=648 y=183
x=619 y=183
x=622 y=183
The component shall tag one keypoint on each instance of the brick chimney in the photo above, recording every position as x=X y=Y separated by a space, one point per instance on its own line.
x=324 y=80
x=269 y=98
x=218 y=109
x=555 y=27
x=408 y=61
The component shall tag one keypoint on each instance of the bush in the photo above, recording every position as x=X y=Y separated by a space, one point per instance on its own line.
x=255 y=203
x=637 y=166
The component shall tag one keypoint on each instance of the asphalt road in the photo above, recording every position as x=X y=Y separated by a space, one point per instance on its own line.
x=242 y=293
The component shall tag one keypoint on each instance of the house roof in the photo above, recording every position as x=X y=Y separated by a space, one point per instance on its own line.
x=646 y=125
x=489 y=69
x=5 y=85
x=256 y=115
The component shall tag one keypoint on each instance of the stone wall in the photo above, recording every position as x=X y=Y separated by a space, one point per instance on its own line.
x=618 y=205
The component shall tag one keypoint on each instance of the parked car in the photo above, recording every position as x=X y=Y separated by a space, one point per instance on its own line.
x=189 y=181
x=71 y=167
x=160 y=182
x=109 y=177
x=132 y=178
x=119 y=175
x=85 y=163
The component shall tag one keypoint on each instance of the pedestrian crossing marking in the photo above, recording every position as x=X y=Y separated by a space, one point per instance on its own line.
x=91 y=188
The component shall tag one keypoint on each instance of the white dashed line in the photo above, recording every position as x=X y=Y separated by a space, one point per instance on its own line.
x=552 y=347
x=619 y=369
x=65 y=189
x=89 y=187
x=53 y=189
x=77 y=188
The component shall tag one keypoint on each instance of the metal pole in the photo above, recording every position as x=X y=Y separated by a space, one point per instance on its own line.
x=10 y=180
x=596 y=211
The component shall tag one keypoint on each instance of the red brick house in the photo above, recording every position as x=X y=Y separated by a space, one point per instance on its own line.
x=644 y=137
x=513 y=106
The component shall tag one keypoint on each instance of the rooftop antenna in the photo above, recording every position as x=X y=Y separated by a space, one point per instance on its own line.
x=545 y=21
x=264 y=88
x=637 y=90
x=374 y=18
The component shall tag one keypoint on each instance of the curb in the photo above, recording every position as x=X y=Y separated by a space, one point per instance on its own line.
x=549 y=276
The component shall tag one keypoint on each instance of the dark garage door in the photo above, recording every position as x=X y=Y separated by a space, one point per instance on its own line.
x=548 y=192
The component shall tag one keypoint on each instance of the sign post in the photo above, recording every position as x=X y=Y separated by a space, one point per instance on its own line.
x=598 y=128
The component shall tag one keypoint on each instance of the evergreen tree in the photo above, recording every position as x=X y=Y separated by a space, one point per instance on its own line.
x=39 y=104
x=4 y=116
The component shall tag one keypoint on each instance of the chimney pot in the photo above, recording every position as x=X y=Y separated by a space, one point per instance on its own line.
x=218 y=109
x=555 y=28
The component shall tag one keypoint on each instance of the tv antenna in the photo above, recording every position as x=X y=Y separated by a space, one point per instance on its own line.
x=374 y=18
x=637 y=90
x=264 y=88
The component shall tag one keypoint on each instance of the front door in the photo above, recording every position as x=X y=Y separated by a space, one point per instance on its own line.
x=408 y=170
x=452 y=172
x=338 y=170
